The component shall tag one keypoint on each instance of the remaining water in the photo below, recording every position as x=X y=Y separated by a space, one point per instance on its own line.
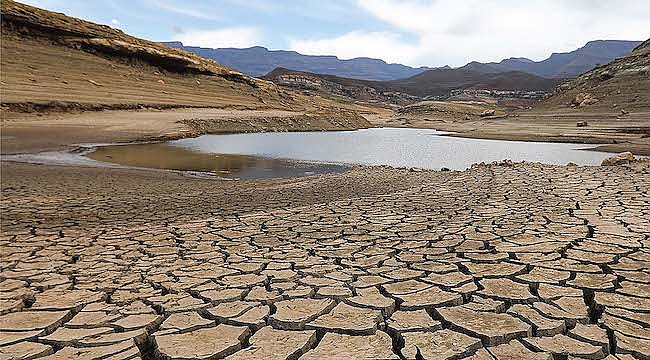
x=171 y=156
x=270 y=152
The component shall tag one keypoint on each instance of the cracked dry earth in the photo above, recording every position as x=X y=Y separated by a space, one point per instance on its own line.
x=499 y=262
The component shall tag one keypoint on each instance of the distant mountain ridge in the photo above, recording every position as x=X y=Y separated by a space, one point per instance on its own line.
x=431 y=83
x=258 y=61
x=440 y=82
x=562 y=65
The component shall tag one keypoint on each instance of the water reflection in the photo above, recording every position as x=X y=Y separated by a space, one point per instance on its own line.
x=268 y=155
x=388 y=146
x=166 y=156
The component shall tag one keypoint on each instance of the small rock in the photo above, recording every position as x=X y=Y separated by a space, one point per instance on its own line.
x=620 y=159
x=487 y=113
x=582 y=124
x=161 y=81
x=606 y=76
x=589 y=101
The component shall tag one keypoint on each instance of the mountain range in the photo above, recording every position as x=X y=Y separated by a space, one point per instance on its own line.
x=258 y=61
x=442 y=81
x=431 y=83
x=562 y=65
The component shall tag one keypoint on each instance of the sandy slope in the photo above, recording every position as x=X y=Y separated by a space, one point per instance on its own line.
x=57 y=71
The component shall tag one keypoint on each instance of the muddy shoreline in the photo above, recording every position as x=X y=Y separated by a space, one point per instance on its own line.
x=615 y=132
x=60 y=130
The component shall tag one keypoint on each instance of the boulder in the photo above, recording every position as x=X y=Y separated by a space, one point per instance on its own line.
x=583 y=100
x=582 y=124
x=487 y=113
x=606 y=75
x=620 y=159
x=589 y=101
x=578 y=99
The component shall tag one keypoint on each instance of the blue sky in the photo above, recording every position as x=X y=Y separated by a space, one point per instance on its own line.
x=413 y=32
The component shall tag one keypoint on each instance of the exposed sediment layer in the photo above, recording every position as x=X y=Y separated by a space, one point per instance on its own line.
x=496 y=262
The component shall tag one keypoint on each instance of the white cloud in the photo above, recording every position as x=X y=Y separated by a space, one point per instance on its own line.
x=237 y=37
x=387 y=46
x=115 y=22
x=455 y=32
x=183 y=9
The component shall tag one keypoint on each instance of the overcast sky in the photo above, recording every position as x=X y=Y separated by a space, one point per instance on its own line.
x=412 y=32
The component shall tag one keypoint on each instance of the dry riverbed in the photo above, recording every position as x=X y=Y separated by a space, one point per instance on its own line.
x=500 y=261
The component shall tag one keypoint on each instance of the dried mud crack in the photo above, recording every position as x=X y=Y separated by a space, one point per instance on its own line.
x=502 y=261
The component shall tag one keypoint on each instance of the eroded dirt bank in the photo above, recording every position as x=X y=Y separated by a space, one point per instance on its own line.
x=34 y=132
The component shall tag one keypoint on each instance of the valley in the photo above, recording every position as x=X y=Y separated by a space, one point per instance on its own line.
x=156 y=204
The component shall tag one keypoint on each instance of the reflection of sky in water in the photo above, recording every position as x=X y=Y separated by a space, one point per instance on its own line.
x=394 y=147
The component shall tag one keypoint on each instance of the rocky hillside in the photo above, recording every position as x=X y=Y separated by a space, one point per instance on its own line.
x=562 y=65
x=330 y=85
x=623 y=83
x=48 y=56
x=435 y=83
x=258 y=61
x=430 y=84
x=52 y=62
